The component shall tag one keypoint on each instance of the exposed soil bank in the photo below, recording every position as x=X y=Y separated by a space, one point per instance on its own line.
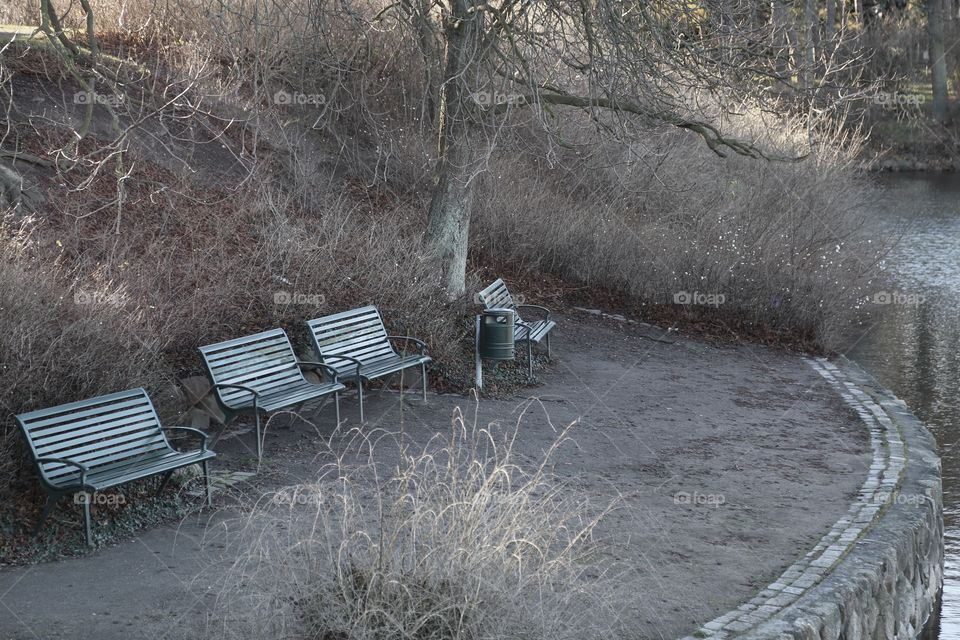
x=730 y=462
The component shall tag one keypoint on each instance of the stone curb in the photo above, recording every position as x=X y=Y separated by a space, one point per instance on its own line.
x=877 y=572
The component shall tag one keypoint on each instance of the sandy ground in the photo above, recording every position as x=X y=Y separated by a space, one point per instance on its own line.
x=768 y=454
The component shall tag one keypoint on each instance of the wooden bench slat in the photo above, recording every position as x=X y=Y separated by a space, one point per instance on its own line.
x=366 y=324
x=500 y=294
x=109 y=476
x=136 y=451
x=263 y=379
x=271 y=336
x=263 y=340
x=117 y=437
x=79 y=407
x=347 y=340
x=364 y=358
x=537 y=331
x=98 y=457
x=344 y=318
x=358 y=344
x=254 y=367
x=296 y=396
x=360 y=334
x=96 y=444
x=267 y=364
x=102 y=421
x=387 y=366
x=497 y=296
x=237 y=355
x=117 y=470
x=360 y=350
x=368 y=320
x=278 y=388
x=91 y=434
x=124 y=458
x=136 y=468
x=349 y=313
x=36 y=421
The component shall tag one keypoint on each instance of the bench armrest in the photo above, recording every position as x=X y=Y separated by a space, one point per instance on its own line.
x=323 y=367
x=226 y=385
x=546 y=312
x=203 y=436
x=67 y=461
x=348 y=359
x=420 y=343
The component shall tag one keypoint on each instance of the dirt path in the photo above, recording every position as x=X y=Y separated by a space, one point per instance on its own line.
x=733 y=462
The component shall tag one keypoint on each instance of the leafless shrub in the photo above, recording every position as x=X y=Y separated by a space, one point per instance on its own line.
x=93 y=311
x=60 y=343
x=457 y=541
x=783 y=242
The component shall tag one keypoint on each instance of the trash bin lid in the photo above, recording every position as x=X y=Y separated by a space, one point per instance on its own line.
x=498 y=312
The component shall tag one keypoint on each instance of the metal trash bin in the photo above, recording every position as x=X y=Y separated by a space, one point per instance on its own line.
x=496 y=335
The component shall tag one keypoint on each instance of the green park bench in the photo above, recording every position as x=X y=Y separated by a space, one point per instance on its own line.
x=261 y=373
x=497 y=296
x=92 y=445
x=356 y=343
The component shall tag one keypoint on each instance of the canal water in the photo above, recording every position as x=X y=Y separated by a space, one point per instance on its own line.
x=913 y=347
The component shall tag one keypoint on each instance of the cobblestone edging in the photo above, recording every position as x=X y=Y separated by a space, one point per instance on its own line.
x=877 y=573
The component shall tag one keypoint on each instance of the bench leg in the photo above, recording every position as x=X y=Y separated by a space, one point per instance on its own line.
x=206 y=480
x=360 y=396
x=549 y=356
x=86 y=517
x=530 y=359
x=256 y=418
x=336 y=404
x=163 y=482
x=52 y=500
x=423 y=374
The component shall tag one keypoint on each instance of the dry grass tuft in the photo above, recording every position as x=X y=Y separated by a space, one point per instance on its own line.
x=459 y=540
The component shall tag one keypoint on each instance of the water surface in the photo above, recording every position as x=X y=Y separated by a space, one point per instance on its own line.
x=914 y=346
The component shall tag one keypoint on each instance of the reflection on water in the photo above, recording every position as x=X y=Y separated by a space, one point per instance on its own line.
x=914 y=348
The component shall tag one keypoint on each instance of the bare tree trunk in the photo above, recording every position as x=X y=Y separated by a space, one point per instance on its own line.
x=427 y=45
x=448 y=219
x=810 y=42
x=780 y=16
x=831 y=24
x=796 y=52
x=938 y=62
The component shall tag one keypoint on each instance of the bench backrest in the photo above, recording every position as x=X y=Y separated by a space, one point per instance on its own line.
x=116 y=428
x=358 y=333
x=496 y=296
x=263 y=361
